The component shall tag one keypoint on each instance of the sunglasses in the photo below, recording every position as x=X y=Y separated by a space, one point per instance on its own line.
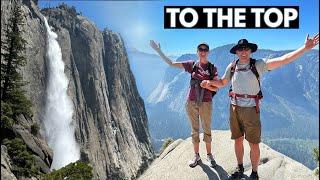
x=203 y=49
x=243 y=49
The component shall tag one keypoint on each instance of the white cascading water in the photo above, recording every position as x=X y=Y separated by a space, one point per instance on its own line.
x=59 y=109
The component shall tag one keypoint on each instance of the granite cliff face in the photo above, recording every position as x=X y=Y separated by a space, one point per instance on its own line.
x=34 y=73
x=109 y=114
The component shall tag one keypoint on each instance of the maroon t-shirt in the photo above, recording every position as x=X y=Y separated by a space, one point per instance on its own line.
x=202 y=73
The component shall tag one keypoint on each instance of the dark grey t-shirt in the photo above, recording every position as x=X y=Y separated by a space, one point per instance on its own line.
x=245 y=82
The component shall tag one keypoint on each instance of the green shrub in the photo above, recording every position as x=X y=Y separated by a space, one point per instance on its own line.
x=166 y=143
x=6 y=114
x=35 y=129
x=73 y=171
x=23 y=163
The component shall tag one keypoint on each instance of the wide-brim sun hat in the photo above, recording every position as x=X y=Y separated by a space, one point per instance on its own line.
x=244 y=43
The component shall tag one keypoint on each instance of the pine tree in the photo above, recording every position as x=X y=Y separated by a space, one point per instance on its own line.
x=13 y=100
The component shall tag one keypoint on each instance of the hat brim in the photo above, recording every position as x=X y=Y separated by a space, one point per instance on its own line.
x=252 y=46
x=203 y=45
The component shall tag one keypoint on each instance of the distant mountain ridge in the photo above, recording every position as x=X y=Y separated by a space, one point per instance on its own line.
x=147 y=68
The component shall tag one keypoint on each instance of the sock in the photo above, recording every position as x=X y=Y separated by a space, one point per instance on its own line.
x=254 y=172
x=241 y=167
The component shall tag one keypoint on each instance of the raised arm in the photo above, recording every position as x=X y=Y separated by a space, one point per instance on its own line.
x=156 y=47
x=289 y=57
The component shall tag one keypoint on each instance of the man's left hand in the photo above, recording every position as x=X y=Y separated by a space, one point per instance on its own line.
x=311 y=42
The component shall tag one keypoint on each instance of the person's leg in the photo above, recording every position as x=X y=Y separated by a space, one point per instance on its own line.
x=237 y=134
x=254 y=156
x=205 y=113
x=252 y=128
x=239 y=150
x=208 y=147
x=193 y=114
x=196 y=147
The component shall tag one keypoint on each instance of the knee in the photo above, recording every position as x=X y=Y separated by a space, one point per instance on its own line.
x=195 y=130
x=239 y=140
x=207 y=138
x=254 y=146
x=195 y=138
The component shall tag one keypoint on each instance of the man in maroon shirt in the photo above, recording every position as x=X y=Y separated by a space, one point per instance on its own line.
x=199 y=101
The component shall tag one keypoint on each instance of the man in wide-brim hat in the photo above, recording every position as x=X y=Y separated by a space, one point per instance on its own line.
x=243 y=43
x=245 y=94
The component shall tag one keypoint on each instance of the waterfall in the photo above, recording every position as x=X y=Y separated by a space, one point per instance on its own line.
x=59 y=109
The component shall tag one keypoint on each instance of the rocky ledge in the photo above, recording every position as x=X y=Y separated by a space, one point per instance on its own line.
x=173 y=162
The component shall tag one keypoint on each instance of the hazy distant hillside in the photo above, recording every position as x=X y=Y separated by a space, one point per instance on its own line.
x=148 y=70
x=298 y=149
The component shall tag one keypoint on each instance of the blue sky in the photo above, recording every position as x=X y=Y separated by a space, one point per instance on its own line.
x=140 y=21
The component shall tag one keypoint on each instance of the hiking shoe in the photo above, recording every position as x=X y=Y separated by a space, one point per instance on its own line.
x=238 y=174
x=211 y=160
x=254 y=176
x=195 y=161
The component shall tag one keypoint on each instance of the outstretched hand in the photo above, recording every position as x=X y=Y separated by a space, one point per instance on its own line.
x=154 y=45
x=311 y=42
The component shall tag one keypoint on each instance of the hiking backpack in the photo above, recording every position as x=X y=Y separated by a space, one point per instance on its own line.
x=252 y=68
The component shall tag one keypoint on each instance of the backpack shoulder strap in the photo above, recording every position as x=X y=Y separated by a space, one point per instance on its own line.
x=255 y=72
x=212 y=70
x=194 y=65
x=233 y=68
x=194 y=68
x=254 y=69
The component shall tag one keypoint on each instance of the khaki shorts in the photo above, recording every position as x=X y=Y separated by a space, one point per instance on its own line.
x=245 y=121
x=204 y=111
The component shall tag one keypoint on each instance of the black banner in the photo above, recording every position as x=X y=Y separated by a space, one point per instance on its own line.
x=231 y=17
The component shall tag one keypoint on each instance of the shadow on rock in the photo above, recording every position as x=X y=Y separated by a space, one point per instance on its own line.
x=245 y=177
x=216 y=173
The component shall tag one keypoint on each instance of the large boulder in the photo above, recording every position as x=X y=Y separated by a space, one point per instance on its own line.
x=6 y=173
x=173 y=162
